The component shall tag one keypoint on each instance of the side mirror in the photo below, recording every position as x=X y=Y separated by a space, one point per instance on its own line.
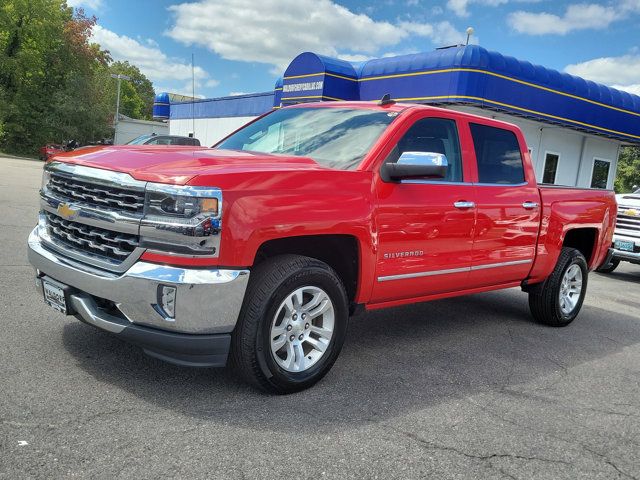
x=415 y=165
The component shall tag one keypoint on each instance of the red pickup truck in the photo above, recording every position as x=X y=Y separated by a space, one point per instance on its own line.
x=260 y=248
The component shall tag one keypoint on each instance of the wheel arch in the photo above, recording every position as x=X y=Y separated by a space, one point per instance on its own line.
x=342 y=252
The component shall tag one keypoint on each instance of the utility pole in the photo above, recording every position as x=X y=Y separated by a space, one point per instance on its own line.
x=193 y=97
x=119 y=77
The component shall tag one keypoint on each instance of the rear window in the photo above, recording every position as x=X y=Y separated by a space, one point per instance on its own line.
x=498 y=155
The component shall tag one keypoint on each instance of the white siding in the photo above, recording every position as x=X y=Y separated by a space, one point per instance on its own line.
x=128 y=129
x=207 y=130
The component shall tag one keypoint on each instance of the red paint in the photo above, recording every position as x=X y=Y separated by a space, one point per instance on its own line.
x=267 y=197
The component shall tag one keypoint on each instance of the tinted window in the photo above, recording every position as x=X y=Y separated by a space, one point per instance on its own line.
x=550 y=168
x=436 y=135
x=498 y=155
x=600 y=175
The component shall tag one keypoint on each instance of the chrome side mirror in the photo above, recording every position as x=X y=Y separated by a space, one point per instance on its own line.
x=416 y=165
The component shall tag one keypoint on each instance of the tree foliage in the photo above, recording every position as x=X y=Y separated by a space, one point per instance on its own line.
x=55 y=84
x=628 y=170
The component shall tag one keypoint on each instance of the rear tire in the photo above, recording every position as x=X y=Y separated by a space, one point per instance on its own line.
x=609 y=267
x=292 y=324
x=557 y=301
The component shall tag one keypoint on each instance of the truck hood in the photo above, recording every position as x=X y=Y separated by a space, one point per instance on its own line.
x=177 y=165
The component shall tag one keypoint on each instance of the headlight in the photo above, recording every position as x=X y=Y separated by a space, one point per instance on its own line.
x=46 y=176
x=182 y=219
x=181 y=203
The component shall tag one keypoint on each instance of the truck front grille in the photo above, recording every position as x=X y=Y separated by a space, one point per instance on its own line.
x=96 y=195
x=628 y=225
x=96 y=241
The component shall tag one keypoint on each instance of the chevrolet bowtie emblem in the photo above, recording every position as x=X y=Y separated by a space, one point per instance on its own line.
x=65 y=211
x=632 y=212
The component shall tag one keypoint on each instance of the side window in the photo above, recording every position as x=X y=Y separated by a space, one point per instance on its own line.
x=437 y=135
x=600 y=173
x=550 y=167
x=498 y=155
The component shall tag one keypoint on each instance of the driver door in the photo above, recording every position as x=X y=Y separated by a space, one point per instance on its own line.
x=425 y=227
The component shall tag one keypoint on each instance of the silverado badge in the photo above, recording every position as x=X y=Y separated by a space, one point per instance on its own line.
x=66 y=212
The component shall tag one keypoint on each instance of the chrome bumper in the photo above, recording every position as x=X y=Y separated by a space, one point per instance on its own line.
x=208 y=301
x=626 y=256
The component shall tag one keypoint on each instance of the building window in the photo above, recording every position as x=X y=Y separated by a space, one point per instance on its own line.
x=550 y=167
x=600 y=173
x=498 y=155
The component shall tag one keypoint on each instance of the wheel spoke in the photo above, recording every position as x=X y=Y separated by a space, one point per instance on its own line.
x=299 y=356
x=289 y=362
x=320 y=309
x=319 y=345
x=278 y=343
x=322 y=332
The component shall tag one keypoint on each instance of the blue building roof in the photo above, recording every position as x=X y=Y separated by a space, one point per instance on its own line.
x=249 y=105
x=469 y=75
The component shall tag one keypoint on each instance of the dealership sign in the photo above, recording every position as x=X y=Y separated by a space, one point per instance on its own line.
x=302 y=87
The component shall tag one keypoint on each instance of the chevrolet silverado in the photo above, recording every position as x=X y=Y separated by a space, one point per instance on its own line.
x=259 y=249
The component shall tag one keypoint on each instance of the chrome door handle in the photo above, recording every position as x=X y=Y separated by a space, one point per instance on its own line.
x=464 y=205
x=530 y=205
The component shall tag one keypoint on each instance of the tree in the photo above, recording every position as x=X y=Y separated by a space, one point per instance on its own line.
x=628 y=169
x=54 y=83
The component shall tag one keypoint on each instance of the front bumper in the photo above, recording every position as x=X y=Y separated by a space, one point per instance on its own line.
x=207 y=304
x=633 y=257
x=624 y=255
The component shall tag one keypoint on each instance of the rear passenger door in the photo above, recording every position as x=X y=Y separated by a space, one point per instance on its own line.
x=508 y=209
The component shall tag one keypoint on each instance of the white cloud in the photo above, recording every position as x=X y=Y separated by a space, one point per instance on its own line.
x=92 y=4
x=151 y=61
x=635 y=89
x=579 y=16
x=281 y=29
x=620 y=72
x=461 y=7
x=235 y=94
x=441 y=33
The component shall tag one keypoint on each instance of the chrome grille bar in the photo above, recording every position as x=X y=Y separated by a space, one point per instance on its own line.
x=113 y=245
x=94 y=195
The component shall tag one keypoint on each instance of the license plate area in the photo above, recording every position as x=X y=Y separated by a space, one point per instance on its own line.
x=624 y=245
x=56 y=295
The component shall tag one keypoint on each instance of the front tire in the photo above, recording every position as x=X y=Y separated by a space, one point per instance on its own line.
x=558 y=300
x=292 y=324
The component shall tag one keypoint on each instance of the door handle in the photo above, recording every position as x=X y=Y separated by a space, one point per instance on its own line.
x=464 y=205
x=530 y=205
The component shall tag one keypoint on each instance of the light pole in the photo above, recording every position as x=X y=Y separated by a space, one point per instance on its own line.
x=119 y=77
x=469 y=33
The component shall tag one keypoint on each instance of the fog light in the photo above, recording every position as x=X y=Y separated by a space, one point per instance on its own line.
x=167 y=300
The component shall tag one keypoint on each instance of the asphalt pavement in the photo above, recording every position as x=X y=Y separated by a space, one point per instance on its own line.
x=461 y=388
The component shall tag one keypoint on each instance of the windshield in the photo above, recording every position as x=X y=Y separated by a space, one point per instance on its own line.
x=140 y=140
x=333 y=137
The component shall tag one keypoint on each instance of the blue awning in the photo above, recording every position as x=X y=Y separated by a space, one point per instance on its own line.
x=470 y=75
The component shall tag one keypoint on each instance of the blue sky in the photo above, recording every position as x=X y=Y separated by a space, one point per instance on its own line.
x=242 y=46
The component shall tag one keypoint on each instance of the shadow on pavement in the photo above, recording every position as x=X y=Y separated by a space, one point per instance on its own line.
x=393 y=362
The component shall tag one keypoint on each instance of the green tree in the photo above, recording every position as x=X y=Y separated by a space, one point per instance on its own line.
x=628 y=169
x=55 y=85
x=136 y=95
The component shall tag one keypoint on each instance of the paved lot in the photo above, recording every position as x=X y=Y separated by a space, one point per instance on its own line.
x=462 y=388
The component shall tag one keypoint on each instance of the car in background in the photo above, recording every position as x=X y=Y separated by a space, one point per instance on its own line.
x=154 y=139
x=626 y=238
x=50 y=149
